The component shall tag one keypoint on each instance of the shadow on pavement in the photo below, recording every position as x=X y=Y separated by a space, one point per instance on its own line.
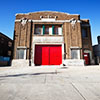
x=18 y=75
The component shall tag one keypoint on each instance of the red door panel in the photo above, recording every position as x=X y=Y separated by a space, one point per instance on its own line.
x=55 y=55
x=45 y=55
x=38 y=55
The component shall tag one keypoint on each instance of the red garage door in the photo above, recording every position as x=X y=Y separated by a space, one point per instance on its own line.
x=48 y=55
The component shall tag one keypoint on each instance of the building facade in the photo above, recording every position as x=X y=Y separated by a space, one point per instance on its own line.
x=6 y=49
x=51 y=38
x=96 y=51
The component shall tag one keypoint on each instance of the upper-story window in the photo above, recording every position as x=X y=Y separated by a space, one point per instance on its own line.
x=84 y=32
x=57 y=30
x=48 y=30
x=38 y=29
x=10 y=44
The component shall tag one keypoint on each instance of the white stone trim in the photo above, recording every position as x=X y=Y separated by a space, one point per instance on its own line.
x=56 y=21
x=49 y=39
x=18 y=20
x=48 y=19
x=21 y=47
x=74 y=47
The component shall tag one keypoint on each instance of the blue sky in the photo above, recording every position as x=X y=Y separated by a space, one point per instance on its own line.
x=88 y=9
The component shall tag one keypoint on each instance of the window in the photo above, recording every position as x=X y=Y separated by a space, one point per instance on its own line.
x=20 y=53
x=2 y=40
x=9 y=53
x=84 y=32
x=46 y=30
x=75 y=54
x=56 y=30
x=38 y=30
x=9 y=44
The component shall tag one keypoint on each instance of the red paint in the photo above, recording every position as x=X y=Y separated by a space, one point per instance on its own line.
x=48 y=55
x=38 y=55
x=55 y=55
x=87 y=58
x=45 y=55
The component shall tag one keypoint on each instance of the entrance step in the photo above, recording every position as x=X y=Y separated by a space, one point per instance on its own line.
x=73 y=62
x=20 y=63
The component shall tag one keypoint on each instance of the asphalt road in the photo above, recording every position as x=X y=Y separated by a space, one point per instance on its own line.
x=50 y=83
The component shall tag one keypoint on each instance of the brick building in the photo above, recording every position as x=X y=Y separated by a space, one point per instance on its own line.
x=5 y=49
x=51 y=38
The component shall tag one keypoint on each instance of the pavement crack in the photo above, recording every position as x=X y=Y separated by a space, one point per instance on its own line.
x=78 y=91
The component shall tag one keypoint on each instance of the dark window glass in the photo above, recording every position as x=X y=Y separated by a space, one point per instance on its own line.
x=56 y=29
x=38 y=29
x=9 y=44
x=46 y=30
x=9 y=53
x=84 y=32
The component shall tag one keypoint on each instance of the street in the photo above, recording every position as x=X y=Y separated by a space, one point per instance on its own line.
x=50 y=83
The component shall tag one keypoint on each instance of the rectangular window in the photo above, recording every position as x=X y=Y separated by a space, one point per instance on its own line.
x=56 y=29
x=9 y=53
x=20 y=53
x=10 y=44
x=38 y=29
x=46 y=30
x=84 y=32
x=75 y=54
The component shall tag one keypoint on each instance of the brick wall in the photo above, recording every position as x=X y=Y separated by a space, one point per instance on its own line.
x=72 y=32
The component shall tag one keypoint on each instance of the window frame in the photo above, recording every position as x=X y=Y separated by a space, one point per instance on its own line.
x=49 y=29
x=78 y=52
x=38 y=26
x=46 y=27
x=18 y=53
x=86 y=32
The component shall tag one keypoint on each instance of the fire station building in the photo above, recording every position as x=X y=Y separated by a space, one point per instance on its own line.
x=51 y=38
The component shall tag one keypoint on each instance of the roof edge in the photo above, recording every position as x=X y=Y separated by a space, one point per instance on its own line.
x=43 y=11
x=6 y=36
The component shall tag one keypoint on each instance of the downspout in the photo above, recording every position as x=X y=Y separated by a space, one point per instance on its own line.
x=30 y=44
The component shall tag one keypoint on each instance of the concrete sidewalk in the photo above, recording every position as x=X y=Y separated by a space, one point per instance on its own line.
x=50 y=83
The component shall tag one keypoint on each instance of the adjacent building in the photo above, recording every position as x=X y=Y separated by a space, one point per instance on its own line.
x=96 y=51
x=5 y=50
x=51 y=38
